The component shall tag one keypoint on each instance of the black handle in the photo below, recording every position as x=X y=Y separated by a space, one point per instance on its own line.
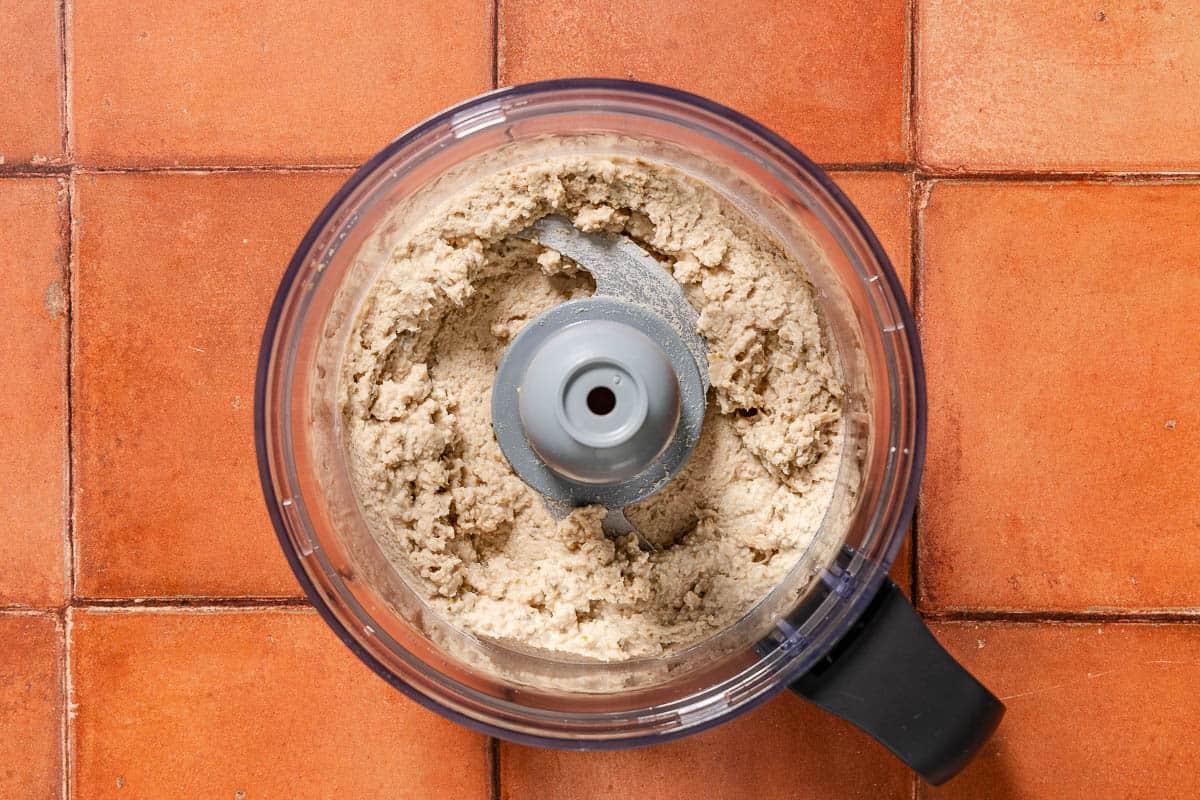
x=890 y=677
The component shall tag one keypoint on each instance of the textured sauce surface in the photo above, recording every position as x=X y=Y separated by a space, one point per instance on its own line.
x=480 y=544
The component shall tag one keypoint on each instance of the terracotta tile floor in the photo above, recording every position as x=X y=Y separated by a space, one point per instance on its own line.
x=1100 y=283
x=33 y=326
x=173 y=276
x=158 y=162
x=824 y=74
x=32 y=118
x=31 y=705
x=1095 y=710
x=1012 y=85
x=274 y=82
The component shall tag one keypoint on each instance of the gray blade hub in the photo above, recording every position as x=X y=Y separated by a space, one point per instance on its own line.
x=601 y=400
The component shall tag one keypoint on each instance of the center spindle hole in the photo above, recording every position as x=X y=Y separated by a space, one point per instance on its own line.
x=601 y=401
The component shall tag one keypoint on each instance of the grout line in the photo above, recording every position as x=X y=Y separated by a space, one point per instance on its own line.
x=494 y=763
x=28 y=611
x=66 y=43
x=39 y=171
x=197 y=610
x=28 y=170
x=33 y=170
x=69 y=281
x=495 y=44
x=875 y=166
x=233 y=604
x=1145 y=617
x=16 y=609
x=68 y=706
x=206 y=169
x=909 y=132
x=1078 y=176
x=914 y=127
x=918 y=173
x=918 y=197
x=185 y=603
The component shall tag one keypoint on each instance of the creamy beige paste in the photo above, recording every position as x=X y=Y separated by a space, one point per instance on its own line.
x=470 y=535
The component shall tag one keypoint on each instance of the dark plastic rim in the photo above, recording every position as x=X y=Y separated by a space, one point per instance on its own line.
x=856 y=605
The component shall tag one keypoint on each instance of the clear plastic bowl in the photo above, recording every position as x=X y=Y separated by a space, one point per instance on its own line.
x=531 y=697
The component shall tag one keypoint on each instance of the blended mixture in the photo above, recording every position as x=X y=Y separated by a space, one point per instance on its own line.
x=479 y=544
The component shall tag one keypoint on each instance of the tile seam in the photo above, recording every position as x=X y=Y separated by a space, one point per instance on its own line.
x=198 y=610
x=495 y=44
x=67 y=61
x=910 y=80
x=494 y=767
x=191 y=602
x=1081 y=176
x=866 y=166
x=68 y=711
x=1092 y=176
x=914 y=100
x=16 y=171
x=203 y=169
x=29 y=611
x=1045 y=616
x=1145 y=616
x=68 y=389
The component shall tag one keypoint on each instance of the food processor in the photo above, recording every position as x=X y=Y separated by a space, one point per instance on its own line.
x=599 y=401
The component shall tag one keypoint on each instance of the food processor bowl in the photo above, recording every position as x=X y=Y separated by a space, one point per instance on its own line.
x=835 y=629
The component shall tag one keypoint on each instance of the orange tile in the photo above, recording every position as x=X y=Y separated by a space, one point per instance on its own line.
x=1025 y=84
x=1059 y=323
x=32 y=420
x=883 y=198
x=268 y=82
x=174 y=276
x=30 y=707
x=247 y=704
x=31 y=129
x=823 y=74
x=785 y=749
x=1093 y=711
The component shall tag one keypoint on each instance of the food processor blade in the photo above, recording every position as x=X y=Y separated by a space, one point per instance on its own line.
x=623 y=270
x=616 y=524
x=599 y=401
